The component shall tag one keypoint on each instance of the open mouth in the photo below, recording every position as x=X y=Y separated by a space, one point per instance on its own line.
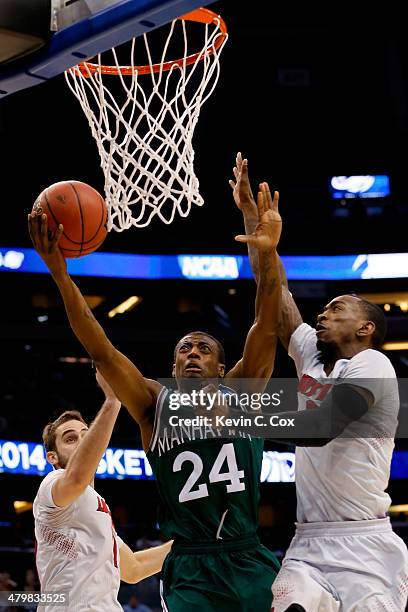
x=320 y=328
x=193 y=368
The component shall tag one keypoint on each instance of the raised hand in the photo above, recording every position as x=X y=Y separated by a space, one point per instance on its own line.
x=241 y=187
x=268 y=230
x=44 y=243
x=106 y=388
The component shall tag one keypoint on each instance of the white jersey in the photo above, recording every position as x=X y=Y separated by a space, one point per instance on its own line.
x=345 y=480
x=77 y=550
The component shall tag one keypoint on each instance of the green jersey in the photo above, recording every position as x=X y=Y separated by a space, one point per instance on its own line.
x=208 y=484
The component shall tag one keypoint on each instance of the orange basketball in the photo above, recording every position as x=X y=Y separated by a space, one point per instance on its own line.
x=81 y=210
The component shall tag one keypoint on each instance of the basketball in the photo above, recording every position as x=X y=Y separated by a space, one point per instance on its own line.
x=81 y=210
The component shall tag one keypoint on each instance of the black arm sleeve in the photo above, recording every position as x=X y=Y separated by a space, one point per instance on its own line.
x=318 y=426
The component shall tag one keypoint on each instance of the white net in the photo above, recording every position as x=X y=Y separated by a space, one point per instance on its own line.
x=144 y=124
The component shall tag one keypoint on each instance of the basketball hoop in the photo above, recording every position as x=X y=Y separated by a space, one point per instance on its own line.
x=144 y=129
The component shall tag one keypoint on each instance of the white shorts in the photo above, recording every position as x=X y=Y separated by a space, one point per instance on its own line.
x=353 y=566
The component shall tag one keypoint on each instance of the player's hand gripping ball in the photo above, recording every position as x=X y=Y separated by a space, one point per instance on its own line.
x=81 y=210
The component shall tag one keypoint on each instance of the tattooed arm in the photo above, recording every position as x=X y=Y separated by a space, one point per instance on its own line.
x=260 y=347
x=137 y=393
x=290 y=317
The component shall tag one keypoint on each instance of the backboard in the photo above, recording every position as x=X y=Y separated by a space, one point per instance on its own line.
x=42 y=38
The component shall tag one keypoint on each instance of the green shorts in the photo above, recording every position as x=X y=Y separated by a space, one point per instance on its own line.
x=226 y=576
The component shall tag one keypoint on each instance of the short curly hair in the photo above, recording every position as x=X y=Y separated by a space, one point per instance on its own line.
x=50 y=430
x=375 y=314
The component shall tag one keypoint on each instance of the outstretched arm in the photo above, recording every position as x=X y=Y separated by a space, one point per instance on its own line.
x=136 y=566
x=128 y=384
x=290 y=317
x=84 y=462
x=244 y=199
x=260 y=346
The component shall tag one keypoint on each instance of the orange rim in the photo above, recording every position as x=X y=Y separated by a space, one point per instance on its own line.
x=200 y=15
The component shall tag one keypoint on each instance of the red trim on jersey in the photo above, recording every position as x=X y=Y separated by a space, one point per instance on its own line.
x=103 y=506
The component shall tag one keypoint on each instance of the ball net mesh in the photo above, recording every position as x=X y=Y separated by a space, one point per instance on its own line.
x=143 y=120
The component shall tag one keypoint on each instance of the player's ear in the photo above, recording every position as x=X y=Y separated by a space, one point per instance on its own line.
x=221 y=370
x=51 y=457
x=173 y=372
x=367 y=329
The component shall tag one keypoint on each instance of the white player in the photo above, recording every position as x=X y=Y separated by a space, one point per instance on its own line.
x=344 y=555
x=78 y=550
